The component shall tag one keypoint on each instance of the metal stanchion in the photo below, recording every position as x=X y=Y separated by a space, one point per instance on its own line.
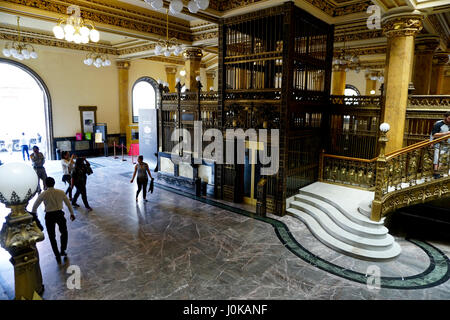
x=115 y=156
x=123 y=159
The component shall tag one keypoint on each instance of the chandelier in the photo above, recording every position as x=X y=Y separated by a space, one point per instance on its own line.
x=96 y=59
x=168 y=46
x=19 y=49
x=176 y=6
x=75 y=28
x=375 y=75
x=347 y=61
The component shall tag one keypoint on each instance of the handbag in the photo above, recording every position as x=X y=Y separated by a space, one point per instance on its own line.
x=89 y=170
x=150 y=189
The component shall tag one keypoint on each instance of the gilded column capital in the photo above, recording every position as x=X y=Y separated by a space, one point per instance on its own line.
x=441 y=59
x=211 y=74
x=402 y=26
x=193 y=54
x=123 y=65
x=427 y=45
x=171 y=69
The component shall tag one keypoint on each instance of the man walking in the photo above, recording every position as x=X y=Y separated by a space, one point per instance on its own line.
x=38 y=160
x=53 y=201
x=24 y=142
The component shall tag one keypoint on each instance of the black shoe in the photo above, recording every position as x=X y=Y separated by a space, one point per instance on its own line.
x=63 y=253
x=436 y=176
x=75 y=205
x=58 y=259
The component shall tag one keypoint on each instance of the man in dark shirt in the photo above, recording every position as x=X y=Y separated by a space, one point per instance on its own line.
x=440 y=129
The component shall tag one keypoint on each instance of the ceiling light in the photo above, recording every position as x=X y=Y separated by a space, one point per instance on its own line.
x=75 y=28
x=18 y=49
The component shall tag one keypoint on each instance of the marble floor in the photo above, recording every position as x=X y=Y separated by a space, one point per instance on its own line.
x=177 y=247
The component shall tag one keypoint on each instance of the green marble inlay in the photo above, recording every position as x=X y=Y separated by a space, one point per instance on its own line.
x=437 y=272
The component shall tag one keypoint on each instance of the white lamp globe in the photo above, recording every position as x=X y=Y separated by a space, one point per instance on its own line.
x=26 y=54
x=198 y=78
x=20 y=56
x=77 y=38
x=182 y=73
x=167 y=53
x=84 y=31
x=85 y=61
x=381 y=78
x=58 y=31
x=159 y=81
x=176 y=6
x=211 y=88
x=203 y=4
x=385 y=127
x=177 y=80
x=13 y=52
x=166 y=84
x=18 y=183
x=84 y=39
x=157 y=4
x=69 y=37
x=107 y=62
x=158 y=49
x=89 y=61
x=6 y=52
x=69 y=29
x=95 y=35
x=192 y=6
x=97 y=65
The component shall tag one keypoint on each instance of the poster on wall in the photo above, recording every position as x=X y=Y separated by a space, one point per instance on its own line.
x=88 y=121
x=148 y=136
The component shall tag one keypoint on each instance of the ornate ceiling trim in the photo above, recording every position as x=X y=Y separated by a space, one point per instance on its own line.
x=123 y=18
x=176 y=61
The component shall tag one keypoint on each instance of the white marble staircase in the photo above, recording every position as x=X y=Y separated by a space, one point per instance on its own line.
x=339 y=217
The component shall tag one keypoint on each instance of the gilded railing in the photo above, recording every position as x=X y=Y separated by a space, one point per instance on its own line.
x=411 y=175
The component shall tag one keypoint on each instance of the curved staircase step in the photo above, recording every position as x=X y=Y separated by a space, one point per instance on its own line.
x=316 y=229
x=329 y=226
x=341 y=220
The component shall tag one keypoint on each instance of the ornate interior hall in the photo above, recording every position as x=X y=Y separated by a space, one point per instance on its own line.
x=298 y=150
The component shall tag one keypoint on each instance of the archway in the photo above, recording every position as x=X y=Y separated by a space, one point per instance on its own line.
x=25 y=107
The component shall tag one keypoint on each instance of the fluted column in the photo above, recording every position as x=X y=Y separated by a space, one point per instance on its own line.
x=400 y=31
x=210 y=75
x=338 y=82
x=124 y=113
x=424 y=51
x=193 y=58
x=171 y=72
x=440 y=60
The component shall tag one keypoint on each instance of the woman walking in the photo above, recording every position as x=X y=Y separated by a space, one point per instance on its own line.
x=79 y=179
x=141 y=169
x=67 y=167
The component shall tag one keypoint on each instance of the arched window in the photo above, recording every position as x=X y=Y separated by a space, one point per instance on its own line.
x=351 y=90
x=144 y=96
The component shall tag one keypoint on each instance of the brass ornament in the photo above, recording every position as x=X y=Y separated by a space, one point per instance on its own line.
x=402 y=26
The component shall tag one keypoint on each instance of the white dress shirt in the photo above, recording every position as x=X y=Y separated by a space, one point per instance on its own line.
x=53 y=200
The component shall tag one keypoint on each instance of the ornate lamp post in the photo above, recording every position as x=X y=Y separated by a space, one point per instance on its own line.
x=19 y=234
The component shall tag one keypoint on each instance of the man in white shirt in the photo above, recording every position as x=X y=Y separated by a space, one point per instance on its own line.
x=24 y=142
x=53 y=201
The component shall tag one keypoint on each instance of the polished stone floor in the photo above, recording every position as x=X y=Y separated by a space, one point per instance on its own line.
x=176 y=247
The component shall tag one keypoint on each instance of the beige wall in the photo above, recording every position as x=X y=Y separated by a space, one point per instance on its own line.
x=359 y=81
x=71 y=84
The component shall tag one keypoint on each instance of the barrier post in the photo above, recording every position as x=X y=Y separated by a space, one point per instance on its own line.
x=115 y=156
x=122 y=154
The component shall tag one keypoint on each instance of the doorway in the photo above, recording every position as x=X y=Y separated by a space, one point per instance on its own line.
x=25 y=112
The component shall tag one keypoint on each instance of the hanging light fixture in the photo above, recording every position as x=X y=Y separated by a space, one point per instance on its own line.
x=97 y=60
x=169 y=46
x=347 y=61
x=75 y=28
x=176 y=6
x=18 y=49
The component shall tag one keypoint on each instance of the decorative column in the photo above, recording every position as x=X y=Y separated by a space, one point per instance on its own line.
x=193 y=57
x=210 y=75
x=424 y=51
x=171 y=72
x=370 y=85
x=124 y=113
x=338 y=82
x=19 y=234
x=440 y=60
x=400 y=32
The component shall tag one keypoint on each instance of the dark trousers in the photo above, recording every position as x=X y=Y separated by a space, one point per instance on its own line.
x=52 y=218
x=67 y=178
x=142 y=183
x=25 y=150
x=81 y=189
